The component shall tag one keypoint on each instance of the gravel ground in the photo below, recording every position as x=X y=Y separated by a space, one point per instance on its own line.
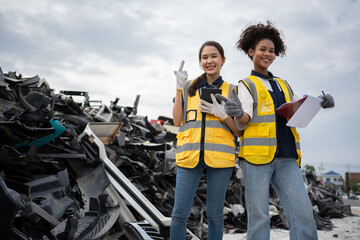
x=344 y=228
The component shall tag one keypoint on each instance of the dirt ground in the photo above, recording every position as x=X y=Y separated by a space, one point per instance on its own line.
x=344 y=228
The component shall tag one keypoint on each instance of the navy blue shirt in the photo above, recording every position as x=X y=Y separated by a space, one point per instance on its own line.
x=216 y=84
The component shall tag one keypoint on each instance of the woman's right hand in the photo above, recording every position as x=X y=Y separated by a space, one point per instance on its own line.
x=181 y=76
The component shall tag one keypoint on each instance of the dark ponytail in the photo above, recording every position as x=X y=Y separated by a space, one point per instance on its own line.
x=196 y=84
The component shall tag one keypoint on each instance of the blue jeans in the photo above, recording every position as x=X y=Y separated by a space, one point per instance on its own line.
x=187 y=181
x=285 y=176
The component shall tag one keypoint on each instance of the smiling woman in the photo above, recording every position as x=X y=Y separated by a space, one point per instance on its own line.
x=269 y=150
x=205 y=143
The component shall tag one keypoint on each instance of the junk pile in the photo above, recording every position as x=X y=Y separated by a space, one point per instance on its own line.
x=71 y=170
x=326 y=202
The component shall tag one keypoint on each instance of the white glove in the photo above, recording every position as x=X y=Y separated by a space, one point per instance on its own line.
x=213 y=108
x=181 y=76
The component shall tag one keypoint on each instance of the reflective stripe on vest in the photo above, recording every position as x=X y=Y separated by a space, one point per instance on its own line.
x=219 y=142
x=258 y=144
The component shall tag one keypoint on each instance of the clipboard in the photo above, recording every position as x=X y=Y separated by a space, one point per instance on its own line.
x=301 y=112
x=205 y=94
x=287 y=110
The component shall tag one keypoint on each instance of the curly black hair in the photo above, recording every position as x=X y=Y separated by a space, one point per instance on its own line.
x=253 y=34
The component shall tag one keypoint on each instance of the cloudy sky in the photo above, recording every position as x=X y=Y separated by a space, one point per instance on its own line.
x=123 y=48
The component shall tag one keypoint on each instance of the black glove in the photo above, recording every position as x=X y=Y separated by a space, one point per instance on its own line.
x=233 y=108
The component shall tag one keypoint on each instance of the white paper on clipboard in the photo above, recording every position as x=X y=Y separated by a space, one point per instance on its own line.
x=306 y=112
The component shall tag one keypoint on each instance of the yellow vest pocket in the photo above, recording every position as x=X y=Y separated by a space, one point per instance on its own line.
x=256 y=150
x=257 y=131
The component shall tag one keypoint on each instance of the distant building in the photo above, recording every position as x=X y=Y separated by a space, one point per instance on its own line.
x=353 y=176
x=352 y=183
x=333 y=179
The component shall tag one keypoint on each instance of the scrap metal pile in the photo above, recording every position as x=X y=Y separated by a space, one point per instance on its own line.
x=72 y=170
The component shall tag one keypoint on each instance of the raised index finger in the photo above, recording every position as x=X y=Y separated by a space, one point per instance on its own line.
x=181 y=65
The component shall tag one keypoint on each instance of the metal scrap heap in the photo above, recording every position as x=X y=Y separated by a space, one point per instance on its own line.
x=71 y=170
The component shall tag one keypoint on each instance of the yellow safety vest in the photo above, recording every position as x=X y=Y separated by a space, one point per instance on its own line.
x=258 y=144
x=219 y=141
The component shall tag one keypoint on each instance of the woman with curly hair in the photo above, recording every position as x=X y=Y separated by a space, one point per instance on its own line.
x=269 y=150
